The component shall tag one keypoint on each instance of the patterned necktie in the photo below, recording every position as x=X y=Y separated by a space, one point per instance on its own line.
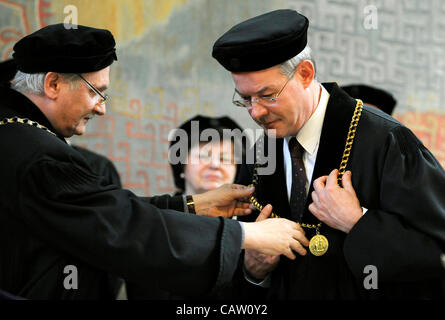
x=298 y=189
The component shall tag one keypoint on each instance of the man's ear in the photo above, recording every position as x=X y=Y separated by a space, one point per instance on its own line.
x=305 y=72
x=52 y=84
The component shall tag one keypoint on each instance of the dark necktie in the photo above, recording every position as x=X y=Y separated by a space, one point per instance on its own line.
x=298 y=189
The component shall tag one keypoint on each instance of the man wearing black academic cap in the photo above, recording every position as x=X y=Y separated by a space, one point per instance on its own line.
x=63 y=227
x=377 y=225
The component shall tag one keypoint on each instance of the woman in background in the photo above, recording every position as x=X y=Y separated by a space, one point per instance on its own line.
x=209 y=164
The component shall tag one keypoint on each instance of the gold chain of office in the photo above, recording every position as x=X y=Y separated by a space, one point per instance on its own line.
x=319 y=244
x=25 y=121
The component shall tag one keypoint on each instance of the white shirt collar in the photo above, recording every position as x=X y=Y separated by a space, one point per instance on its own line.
x=309 y=134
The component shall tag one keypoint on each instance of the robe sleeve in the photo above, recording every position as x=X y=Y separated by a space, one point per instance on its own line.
x=112 y=174
x=166 y=202
x=101 y=165
x=71 y=209
x=405 y=236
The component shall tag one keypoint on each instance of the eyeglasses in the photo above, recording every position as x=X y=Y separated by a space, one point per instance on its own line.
x=206 y=156
x=266 y=100
x=103 y=97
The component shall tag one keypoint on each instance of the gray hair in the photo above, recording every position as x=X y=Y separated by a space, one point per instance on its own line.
x=34 y=83
x=288 y=67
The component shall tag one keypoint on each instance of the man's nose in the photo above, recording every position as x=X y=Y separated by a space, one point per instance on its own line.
x=257 y=111
x=100 y=109
x=215 y=162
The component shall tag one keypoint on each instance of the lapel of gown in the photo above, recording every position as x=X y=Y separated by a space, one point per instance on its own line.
x=339 y=112
x=272 y=188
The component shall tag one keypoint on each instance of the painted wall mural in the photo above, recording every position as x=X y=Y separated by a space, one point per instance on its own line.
x=165 y=73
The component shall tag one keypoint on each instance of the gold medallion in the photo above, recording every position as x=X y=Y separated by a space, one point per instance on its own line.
x=318 y=245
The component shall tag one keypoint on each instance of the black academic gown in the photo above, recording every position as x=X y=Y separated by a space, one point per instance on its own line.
x=403 y=232
x=137 y=292
x=55 y=211
x=100 y=165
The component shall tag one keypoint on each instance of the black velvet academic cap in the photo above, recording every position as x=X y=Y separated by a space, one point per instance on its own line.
x=65 y=50
x=371 y=95
x=262 y=42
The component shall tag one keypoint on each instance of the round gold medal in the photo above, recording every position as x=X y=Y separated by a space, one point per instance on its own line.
x=318 y=245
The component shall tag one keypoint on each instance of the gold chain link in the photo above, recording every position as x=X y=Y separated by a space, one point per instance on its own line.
x=344 y=162
x=25 y=121
x=350 y=139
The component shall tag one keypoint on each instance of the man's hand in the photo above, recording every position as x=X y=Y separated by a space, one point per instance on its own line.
x=338 y=207
x=258 y=264
x=275 y=236
x=226 y=201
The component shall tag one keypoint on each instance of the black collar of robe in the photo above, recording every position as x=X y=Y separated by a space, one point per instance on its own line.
x=20 y=106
